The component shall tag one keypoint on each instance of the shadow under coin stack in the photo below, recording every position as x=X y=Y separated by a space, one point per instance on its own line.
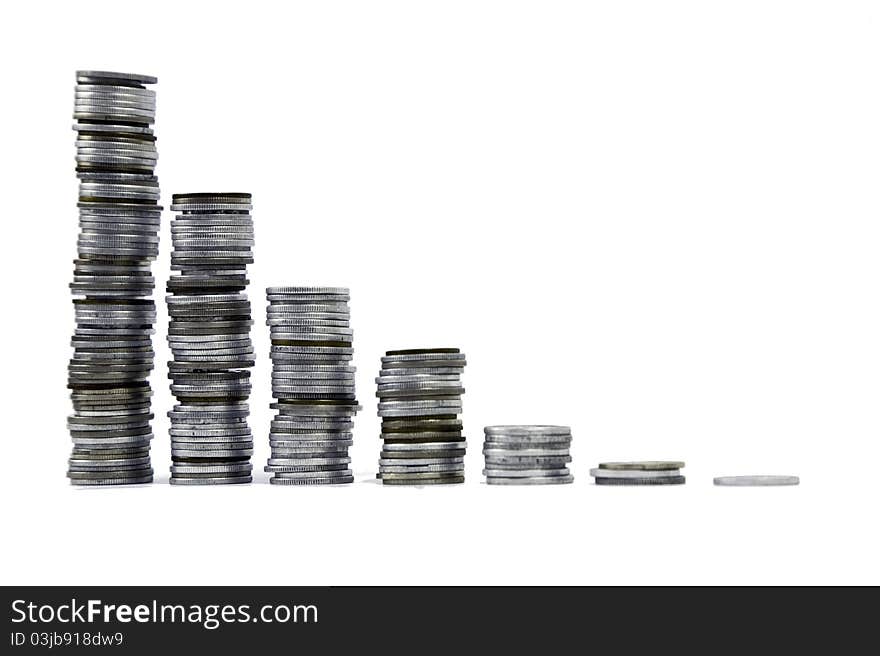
x=119 y=219
x=648 y=472
x=313 y=384
x=527 y=455
x=419 y=394
x=209 y=336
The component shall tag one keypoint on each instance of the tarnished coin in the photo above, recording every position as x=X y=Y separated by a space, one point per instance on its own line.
x=116 y=479
x=663 y=480
x=645 y=465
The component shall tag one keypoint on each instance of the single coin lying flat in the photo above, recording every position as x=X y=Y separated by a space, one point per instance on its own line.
x=756 y=481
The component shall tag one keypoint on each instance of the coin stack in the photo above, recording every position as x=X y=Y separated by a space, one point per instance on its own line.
x=313 y=385
x=119 y=219
x=419 y=394
x=648 y=472
x=209 y=336
x=527 y=455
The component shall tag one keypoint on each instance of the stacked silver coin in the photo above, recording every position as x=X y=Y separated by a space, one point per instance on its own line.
x=419 y=394
x=646 y=472
x=119 y=219
x=209 y=336
x=527 y=455
x=313 y=385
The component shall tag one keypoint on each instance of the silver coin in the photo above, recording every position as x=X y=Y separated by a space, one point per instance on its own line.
x=336 y=410
x=531 y=465
x=308 y=291
x=121 y=463
x=331 y=310
x=271 y=469
x=425 y=387
x=515 y=447
x=290 y=452
x=419 y=372
x=320 y=461
x=91 y=474
x=417 y=378
x=307 y=423
x=756 y=481
x=644 y=465
x=636 y=482
x=525 y=473
x=420 y=462
x=515 y=444
x=331 y=474
x=237 y=468
x=297 y=446
x=421 y=469
x=114 y=480
x=310 y=481
x=213 y=480
x=526 y=431
x=111 y=89
x=309 y=437
x=102 y=77
x=541 y=480
x=112 y=442
x=116 y=411
x=525 y=453
x=419 y=412
x=218 y=453
x=426 y=436
x=431 y=446
x=419 y=355
x=427 y=454
x=291 y=318
x=632 y=473
x=424 y=477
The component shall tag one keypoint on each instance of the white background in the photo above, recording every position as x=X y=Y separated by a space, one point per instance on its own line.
x=656 y=222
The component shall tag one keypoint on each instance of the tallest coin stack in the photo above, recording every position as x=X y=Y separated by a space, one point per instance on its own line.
x=119 y=219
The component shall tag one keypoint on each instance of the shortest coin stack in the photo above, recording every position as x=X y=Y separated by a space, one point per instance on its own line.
x=527 y=455
x=760 y=480
x=419 y=394
x=649 y=472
